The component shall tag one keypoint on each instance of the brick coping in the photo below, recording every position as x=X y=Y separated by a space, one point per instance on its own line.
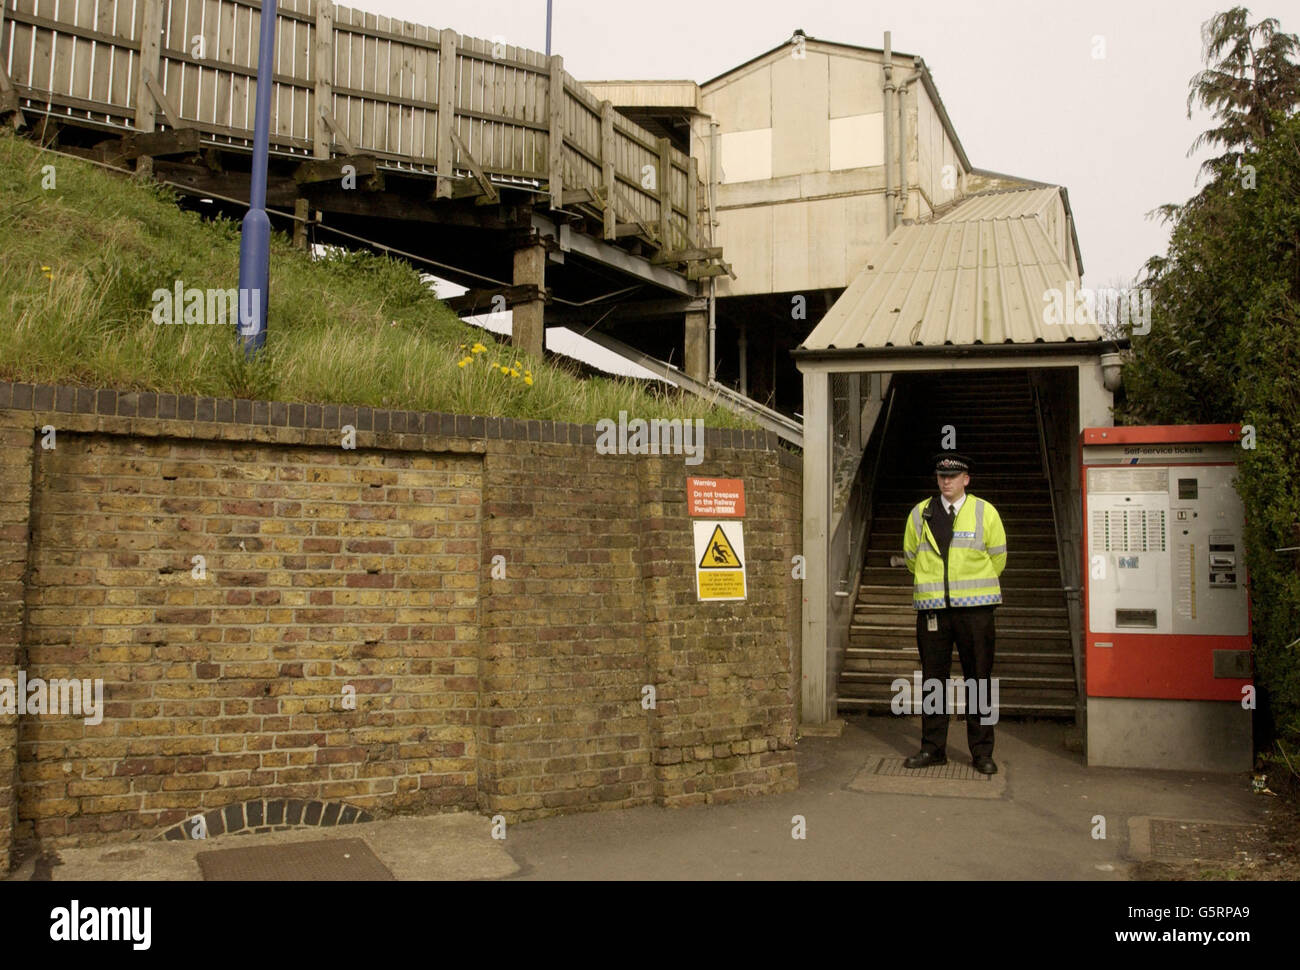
x=106 y=402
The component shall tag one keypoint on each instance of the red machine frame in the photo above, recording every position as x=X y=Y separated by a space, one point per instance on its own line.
x=1147 y=665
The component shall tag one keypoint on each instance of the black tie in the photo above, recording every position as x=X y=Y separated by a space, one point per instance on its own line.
x=952 y=515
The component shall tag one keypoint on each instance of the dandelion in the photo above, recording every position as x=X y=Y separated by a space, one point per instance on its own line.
x=514 y=372
x=478 y=348
x=463 y=361
x=528 y=380
x=45 y=271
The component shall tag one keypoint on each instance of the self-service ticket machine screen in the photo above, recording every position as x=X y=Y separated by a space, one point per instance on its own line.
x=1167 y=619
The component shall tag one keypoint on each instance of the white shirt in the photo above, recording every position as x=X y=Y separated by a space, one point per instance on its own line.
x=955 y=506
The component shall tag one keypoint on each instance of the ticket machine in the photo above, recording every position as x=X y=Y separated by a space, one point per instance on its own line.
x=1167 y=613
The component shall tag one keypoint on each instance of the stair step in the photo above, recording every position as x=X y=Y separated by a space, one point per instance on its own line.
x=1027 y=596
x=1005 y=708
x=1006 y=681
x=1008 y=618
x=1014 y=633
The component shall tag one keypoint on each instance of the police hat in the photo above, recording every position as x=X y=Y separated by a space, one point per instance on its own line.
x=951 y=463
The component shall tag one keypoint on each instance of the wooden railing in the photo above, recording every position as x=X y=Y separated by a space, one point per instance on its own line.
x=345 y=83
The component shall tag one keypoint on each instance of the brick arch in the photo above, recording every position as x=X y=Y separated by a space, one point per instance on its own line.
x=270 y=815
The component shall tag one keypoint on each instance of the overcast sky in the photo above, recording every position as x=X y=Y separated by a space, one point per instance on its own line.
x=1019 y=78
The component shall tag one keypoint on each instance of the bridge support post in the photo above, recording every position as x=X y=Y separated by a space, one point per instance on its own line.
x=697 y=345
x=150 y=55
x=528 y=328
x=301 y=212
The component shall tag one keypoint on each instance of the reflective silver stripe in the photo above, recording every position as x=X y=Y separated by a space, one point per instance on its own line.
x=927 y=587
x=926 y=546
x=998 y=550
x=909 y=555
x=966 y=544
x=970 y=584
x=916 y=521
x=979 y=522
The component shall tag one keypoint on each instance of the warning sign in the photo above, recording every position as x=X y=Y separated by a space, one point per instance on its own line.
x=719 y=560
x=719 y=553
x=716 y=497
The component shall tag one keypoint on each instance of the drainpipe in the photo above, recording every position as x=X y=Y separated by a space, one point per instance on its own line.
x=889 y=141
x=900 y=204
x=713 y=226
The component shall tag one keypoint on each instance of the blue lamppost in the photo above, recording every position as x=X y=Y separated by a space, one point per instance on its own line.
x=255 y=237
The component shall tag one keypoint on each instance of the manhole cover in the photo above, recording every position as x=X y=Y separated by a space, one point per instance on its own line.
x=952 y=771
x=328 y=860
x=1185 y=839
x=955 y=779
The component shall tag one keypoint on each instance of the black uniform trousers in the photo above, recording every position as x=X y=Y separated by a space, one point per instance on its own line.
x=972 y=629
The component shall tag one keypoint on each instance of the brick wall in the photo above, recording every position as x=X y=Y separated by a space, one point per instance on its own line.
x=15 y=503
x=496 y=592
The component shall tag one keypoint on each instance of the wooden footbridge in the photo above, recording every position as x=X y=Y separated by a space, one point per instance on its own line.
x=486 y=158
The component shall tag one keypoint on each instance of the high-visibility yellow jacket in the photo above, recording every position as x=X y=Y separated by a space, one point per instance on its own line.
x=976 y=557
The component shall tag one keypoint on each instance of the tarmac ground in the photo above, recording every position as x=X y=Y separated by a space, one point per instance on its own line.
x=1045 y=815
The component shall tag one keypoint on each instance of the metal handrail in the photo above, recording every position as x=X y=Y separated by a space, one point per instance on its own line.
x=859 y=535
x=1071 y=592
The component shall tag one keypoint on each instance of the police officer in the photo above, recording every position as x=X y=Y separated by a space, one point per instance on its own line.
x=955 y=548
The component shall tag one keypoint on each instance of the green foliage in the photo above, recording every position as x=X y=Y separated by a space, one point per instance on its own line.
x=1250 y=76
x=348 y=328
x=254 y=378
x=1225 y=346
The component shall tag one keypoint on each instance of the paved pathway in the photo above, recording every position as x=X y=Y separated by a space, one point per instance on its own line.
x=1040 y=827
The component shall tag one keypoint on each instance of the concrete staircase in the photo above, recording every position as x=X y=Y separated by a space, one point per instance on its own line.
x=993 y=414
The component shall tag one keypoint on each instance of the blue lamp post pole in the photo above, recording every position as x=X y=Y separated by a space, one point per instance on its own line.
x=255 y=238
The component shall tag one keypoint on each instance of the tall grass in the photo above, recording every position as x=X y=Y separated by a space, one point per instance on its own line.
x=80 y=262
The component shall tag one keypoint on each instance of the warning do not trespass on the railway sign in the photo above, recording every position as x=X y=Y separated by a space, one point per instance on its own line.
x=719 y=559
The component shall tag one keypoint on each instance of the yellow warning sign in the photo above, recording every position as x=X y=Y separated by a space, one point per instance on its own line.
x=719 y=559
x=728 y=585
x=719 y=553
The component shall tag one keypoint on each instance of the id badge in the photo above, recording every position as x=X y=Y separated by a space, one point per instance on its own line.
x=932 y=622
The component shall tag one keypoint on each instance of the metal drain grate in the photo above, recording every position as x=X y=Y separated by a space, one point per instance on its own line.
x=328 y=860
x=1175 y=839
x=952 y=771
x=887 y=776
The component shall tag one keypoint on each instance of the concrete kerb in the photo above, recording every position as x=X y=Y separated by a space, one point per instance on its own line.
x=450 y=846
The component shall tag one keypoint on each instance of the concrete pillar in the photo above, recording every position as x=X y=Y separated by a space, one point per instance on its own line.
x=816 y=544
x=1095 y=401
x=697 y=345
x=528 y=329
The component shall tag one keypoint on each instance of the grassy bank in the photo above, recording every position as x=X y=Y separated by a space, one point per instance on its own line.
x=80 y=264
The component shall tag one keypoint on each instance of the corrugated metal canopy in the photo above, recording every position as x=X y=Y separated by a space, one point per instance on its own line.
x=960 y=281
x=1006 y=204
